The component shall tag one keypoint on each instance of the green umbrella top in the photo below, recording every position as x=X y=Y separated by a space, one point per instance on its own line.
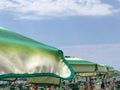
x=21 y=57
x=79 y=61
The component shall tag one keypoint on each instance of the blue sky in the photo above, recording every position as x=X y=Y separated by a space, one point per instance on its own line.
x=86 y=29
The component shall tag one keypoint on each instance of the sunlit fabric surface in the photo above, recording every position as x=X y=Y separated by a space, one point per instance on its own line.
x=23 y=57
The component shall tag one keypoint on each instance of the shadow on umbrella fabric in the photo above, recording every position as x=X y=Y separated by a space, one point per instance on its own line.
x=22 y=57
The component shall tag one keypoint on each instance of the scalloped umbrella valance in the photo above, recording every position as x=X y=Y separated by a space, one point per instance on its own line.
x=22 y=57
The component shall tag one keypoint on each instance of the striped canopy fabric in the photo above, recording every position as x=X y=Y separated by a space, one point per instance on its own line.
x=21 y=57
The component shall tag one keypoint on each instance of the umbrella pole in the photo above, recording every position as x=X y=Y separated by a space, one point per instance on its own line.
x=60 y=87
x=90 y=82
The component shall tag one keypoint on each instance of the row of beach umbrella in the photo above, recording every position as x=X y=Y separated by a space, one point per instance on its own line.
x=22 y=57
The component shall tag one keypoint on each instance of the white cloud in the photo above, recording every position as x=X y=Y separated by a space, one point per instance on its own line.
x=27 y=9
x=103 y=54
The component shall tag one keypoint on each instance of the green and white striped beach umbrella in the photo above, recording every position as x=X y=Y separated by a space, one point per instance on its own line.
x=101 y=69
x=22 y=57
x=111 y=70
x=83 y=67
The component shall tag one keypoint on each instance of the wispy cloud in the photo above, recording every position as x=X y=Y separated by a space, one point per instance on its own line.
x=35 y=9
x=103 y=54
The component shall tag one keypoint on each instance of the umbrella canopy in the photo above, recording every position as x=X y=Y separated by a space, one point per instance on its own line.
x=101 y=69
x=111 y=70
x=83 y=67
x=21 y=57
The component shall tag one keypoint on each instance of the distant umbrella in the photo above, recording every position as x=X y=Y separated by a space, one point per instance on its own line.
x=101 y=69
x=110 y=70
x=84 y=67
x=22 y=57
